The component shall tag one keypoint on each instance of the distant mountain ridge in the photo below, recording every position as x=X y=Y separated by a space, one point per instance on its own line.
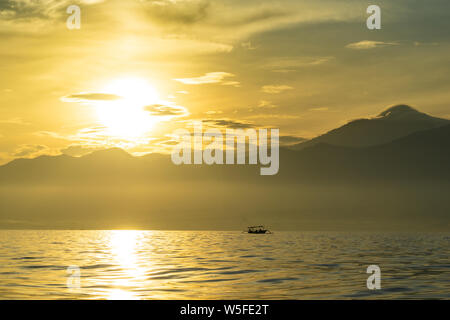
x=421 y=155
x=402 y=184
x=393 y=123
x=328 y=156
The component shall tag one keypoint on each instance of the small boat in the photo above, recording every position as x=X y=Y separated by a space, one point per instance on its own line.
x=258 y=230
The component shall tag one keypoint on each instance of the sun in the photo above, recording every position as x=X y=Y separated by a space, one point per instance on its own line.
x=125 y=116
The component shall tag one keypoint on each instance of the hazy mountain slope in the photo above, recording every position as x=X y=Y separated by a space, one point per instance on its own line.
x=400 y=185
x=420 y=155
x=391 y=124
x=114 y=166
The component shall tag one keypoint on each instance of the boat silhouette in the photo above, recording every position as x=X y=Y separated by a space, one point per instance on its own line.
x=258 y=230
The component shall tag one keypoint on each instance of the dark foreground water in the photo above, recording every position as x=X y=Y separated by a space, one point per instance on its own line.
x=220 y=265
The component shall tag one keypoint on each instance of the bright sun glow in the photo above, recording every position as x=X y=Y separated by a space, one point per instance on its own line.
x=126 y=117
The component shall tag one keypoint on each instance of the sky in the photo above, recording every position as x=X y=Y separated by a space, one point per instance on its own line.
x=138 y=70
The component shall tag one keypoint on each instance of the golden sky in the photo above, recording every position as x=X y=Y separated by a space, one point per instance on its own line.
x=138 y=70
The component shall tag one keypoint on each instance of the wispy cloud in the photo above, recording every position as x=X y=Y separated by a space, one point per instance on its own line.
x=422 y=44
x=166 y=111
x=228 y=123
x=290 y=64
x=273 y=89
x=290 y=140
x=78 y=150
x=176 y=12
x=80 y=97
x=319 y=109
x=210 y=77
x=210 y=112
x=33 y=16
x=273 y=116
x=264 y=104
x=30 y=150
x=95 y=137
x=49 y=134
x=368 y=44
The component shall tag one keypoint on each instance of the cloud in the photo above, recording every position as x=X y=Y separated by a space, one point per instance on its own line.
x=231 y=83
x=95 y=137
x=422 y=44
x=30 y=150
x=176 y=12
x=80 y=97
x=272 y=116
x=232 y=124
x=166 y=111
x=290 y=140
x=210 y=112
x=24 y=9
x=169 y=142
x=32 y=11
x=82 y=135
x=210 y=77
x=78 y=150
x=264 y=104
x=290 y=64
x=273 y=89
x=319 y=109
x=50 y=134
x=182 y=44
x=172 y=26
x=367 y=44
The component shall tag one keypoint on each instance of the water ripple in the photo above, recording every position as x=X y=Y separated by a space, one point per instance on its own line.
x=221 y=265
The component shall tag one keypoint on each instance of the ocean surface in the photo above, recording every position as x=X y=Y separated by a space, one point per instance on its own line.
x=221 y=265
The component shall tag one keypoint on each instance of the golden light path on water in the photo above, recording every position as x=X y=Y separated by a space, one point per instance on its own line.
x=124 y=246
x=220 y=264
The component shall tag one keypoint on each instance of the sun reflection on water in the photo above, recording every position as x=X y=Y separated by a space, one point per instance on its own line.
x=217 y=264
x=125 y=245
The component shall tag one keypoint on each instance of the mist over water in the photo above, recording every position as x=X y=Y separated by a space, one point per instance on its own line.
x=222 y=265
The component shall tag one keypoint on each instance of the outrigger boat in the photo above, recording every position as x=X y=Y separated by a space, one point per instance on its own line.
x=258 y=230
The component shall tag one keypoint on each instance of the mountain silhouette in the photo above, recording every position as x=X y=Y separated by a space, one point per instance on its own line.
x=420 y=155
x=423 y=154
x=401 y=184
x=395 y=122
